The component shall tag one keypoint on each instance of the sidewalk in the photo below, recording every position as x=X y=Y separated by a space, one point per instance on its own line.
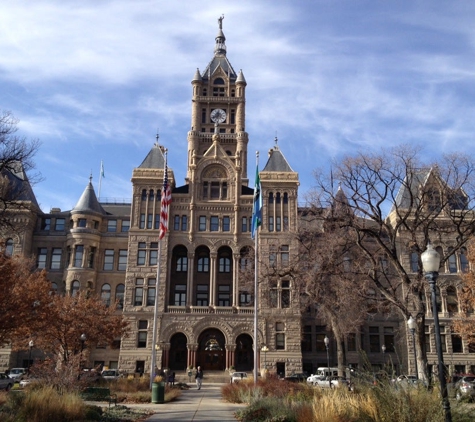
x=195 y=405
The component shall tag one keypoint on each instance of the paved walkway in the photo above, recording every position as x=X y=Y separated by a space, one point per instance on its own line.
x=196 y=405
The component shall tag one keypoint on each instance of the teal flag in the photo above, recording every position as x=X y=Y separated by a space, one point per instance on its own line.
x=257 y=206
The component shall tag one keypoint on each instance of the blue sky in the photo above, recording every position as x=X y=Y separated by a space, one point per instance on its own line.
x=94 y=79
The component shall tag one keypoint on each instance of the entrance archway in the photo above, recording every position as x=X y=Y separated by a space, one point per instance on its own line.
x=244 y=357
x=211 y=351
x=178 y=352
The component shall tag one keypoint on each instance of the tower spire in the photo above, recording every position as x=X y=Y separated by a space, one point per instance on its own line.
x=220 y=47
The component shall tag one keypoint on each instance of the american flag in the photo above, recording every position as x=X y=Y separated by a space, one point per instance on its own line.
x=165 y=204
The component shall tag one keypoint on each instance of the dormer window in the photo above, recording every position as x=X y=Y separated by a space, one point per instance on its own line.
x=434 y=203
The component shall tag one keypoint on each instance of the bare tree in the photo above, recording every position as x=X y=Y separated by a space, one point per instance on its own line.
x=401 y=204
x=16 y=161
x=332 y=276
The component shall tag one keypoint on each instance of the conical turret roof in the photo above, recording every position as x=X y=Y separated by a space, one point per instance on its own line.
x=154 y=159
x=88 y=201
x=277 y=161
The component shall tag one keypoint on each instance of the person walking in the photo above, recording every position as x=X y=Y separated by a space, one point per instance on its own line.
x=199 y=377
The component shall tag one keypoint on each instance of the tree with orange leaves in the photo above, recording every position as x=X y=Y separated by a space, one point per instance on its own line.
x=464 y=323
x=25 y=299
x=30 y=311
x=68 y=317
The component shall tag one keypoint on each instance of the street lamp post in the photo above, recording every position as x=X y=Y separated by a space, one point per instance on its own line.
x=326 y=340
x=430 y=263
x=83 y=339
x=411 y=324
x=383 y=349
x=265 y=349
x=30 y=345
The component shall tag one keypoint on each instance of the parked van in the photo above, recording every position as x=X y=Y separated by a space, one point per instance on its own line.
x=110 y=374
x=322 y=373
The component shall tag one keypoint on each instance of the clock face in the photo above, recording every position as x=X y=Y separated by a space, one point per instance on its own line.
x=218 y=115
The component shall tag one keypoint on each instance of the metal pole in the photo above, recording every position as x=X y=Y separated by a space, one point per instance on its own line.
x=432 y=278
x=413 y=331
x=256 y=275
x=83 y=339
x=326 y=340
x=153 y=362
x=30 y=344
x=256 y=308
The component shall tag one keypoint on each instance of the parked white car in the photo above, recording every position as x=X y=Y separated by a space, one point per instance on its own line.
x=238 y=376
x=17 y=374
x=328 y=382
x=27 y=381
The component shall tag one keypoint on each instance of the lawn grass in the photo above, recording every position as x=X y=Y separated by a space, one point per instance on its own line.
x=40 y=403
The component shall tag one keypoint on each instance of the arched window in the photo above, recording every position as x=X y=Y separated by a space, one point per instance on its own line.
x=441 y=254
x=106 y=294
x=144 y=194
x=277 y=198
x=9 y=247
x=414 y=261
x=119 y=295
x=75 y=288
x=215 y=183
x=224 y=265
x=464 y=265
x=271 y=197
x=203 y=264
x=438 y=299
x=452 y=300
x=452 y=261
x=150 y=196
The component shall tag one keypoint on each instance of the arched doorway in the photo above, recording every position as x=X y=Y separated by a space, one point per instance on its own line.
x=244 y=357
x=211 y=351
x=178 y=352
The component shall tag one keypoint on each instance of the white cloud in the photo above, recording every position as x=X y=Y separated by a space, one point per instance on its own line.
x=96 y=79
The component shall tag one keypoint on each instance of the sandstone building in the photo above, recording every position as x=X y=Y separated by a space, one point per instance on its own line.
x=205 y=297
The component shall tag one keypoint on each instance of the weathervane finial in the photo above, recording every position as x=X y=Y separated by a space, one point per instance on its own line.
x=220 y=21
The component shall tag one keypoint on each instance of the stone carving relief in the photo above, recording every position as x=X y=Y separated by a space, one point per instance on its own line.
x=214 y=172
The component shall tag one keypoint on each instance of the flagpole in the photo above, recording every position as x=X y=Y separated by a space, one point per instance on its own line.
x=256 y=295
x=256 y=271
x=155 y=317
x=101 y=172
x=165 y=204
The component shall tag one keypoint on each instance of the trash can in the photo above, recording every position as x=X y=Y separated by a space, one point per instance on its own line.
x=158 y=392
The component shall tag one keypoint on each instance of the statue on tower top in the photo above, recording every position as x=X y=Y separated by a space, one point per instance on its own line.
x=220 y=21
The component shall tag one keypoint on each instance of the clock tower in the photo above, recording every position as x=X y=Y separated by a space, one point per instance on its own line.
x=218 y=108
